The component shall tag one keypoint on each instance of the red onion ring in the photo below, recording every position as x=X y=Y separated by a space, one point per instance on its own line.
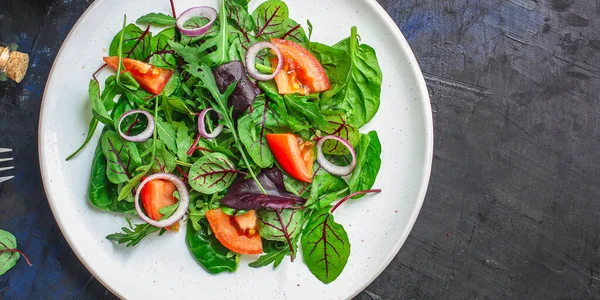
x=184 y=200
x=327 y=165
x=251 y=60
x=144 y=135
x=202 y=127
x=200 y=11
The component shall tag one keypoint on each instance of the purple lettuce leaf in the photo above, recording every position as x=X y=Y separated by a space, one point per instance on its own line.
x=245 y=91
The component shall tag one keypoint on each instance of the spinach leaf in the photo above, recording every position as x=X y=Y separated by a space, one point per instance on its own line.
x=212 y=173
x=325 y=246
x=337 y=125
x=360 y=95
x=98 y=109
x=325 y=189
x=208 y=251
x=111 y=90
x=368 y=162
x=166 y=132
x=9 y=254
x=122 y=157
x=337 y=64
x=156 y=19
x=102 y=193
x=281 y=225
x=136 y=43
x=245 y=193
x=133 y=235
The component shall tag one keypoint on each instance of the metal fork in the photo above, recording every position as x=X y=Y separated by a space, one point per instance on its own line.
x=5 y=178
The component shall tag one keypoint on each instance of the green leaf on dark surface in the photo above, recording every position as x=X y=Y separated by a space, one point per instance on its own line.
x=208 y=251
x=212 y=173
x=122 y=157
x=9 y=254
x=368 y=163
x=325 y=246
x=156 y=19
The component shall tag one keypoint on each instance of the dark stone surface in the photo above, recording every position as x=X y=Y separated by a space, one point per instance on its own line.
x=512 y=209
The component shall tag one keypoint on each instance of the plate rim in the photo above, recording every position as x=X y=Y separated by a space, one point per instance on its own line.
x=421 y=88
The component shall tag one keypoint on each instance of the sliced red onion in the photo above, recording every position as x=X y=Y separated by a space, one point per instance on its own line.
x=200 y=11
x=184 y=200
x=251 y=60
x=327 y=165
x=202 y=127
x=144 y=135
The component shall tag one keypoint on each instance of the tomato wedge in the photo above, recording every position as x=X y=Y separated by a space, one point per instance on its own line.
x=295 y=156
x=301 y=72
x=158 y=194
x=151 y=78
x=227 y=230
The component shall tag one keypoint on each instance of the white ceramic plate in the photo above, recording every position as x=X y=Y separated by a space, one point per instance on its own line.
x=162 y=267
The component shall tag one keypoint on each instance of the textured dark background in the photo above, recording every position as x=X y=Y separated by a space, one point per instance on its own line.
x=513 y=207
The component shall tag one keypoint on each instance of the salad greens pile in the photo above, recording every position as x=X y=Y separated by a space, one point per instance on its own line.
x=237 y=171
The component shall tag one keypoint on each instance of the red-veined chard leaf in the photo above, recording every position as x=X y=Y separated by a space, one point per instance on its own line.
x=325 y=189
x=162 y=55
x=136 y=42
x=281 y=225
x=122 y=157
x=163 y=161
x=325 y=246
x=245 y=194
x=272 y=21
x=255 y=125
x=337 y=125
x=212 y=173
x=9 y=254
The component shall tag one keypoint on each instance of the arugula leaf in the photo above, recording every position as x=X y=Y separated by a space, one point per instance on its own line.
x=9 y=254
x=98 y=109
x=302 y=107
x=133 y=235
x=122 y=157
x=166 y=132
x=208 y=251
x=360 y=95
x=281 y=225
x=275 y=252
x=184 y=142
x=325 y=189
x=325 y=246
x=368 y=162
x=212 y=173
x=136 y=43
x=157 y=19
x=91 y=129
x=337 y=125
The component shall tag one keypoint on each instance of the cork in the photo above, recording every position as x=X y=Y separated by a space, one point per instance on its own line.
x=16 y=65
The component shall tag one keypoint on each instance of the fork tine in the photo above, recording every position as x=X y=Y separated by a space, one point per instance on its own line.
x=7 y=168
x=5 y=178
x=6 y=159
x=4 y=150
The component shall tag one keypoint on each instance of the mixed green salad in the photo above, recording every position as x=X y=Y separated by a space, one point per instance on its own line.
x=217 y=121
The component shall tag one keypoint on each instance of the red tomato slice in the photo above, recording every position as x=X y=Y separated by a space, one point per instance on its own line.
x=293 y=155
x=224 y=228
x=301 y=72
x=158 y=194
x=151 y=78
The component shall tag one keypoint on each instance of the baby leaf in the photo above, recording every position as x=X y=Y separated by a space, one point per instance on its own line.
x=98 y=109
x=156 y=19
x=325 y=189
x=133 y=235
x=183 y=141
x=208 y=251
x=325 y=246
x=281 y=225
x=9 y=254
x=337 y=125
x=122 y=157
x=368 y=162
x=136 y=43
x=212 y=173
x=167 y=134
